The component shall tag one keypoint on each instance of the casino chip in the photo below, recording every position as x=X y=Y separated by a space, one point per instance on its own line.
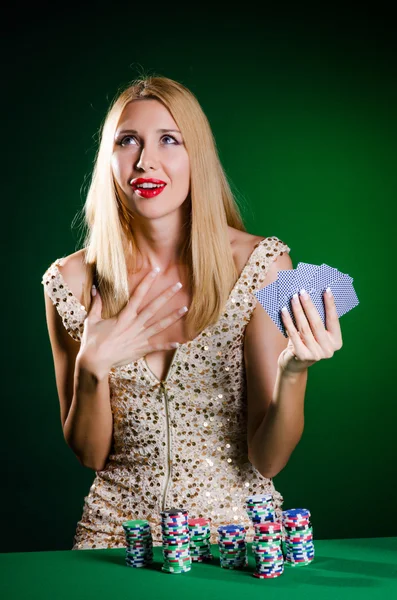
x=298 y=538
x=267 y=550
x=260 y=508
x=139 y=550
x=232 y=546
x=176 y=541
x=200 y=544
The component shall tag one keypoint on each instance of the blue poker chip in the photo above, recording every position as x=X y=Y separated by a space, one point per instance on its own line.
x=231 y=528
x=259 y=498
x=296 y=513
x=194 y=532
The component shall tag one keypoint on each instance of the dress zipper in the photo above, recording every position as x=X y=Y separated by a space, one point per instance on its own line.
x=169 y=453
x=168 y=465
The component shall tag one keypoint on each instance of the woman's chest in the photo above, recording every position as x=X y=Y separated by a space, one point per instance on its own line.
x=159 y=361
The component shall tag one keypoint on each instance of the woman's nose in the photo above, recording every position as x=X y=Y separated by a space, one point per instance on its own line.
x=147 y=159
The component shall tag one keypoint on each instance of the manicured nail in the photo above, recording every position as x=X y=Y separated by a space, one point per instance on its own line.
x=182 y=310
x=303 y=293
x=93 y=291
x=329 y=291
x=295 y=297
x=155 y=271
x=284 y=309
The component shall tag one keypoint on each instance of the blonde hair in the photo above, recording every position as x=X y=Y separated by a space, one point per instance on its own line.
x=110 y=235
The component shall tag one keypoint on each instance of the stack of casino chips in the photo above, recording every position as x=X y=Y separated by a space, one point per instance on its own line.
x=200 y=534
x=139 y=550
x=298 y=538
x=232 y=546
x=260 y=508
x=267 y=551
x=176 y=548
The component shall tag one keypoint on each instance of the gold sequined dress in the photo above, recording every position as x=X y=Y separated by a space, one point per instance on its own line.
x=182 y=441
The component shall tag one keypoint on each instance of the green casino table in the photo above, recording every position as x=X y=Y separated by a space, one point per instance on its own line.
x=349 y=568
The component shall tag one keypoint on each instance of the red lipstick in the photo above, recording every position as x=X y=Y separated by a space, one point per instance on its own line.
x=147 y=192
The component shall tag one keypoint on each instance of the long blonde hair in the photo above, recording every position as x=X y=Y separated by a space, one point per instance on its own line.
x=110 y=235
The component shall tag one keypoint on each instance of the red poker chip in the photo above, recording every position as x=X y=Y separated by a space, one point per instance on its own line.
x=178 y=560
x=199 y=521
x=261 y=576
x=289 y=520
x=268 y=526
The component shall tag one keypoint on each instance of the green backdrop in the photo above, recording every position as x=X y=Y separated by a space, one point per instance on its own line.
x=304 y=111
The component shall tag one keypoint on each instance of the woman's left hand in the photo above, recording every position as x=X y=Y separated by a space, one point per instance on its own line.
x=311 y=342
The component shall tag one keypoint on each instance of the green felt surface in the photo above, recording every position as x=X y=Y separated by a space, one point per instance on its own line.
x=349 y=568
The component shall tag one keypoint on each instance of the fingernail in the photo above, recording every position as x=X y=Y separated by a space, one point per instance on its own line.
x=295 y=297
x=303 y=293
x=155 y=271
x=329 y=291
x=182 y=310
x=284 y=309
x=93 y=290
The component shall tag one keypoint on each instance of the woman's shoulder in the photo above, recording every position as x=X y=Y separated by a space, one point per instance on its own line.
x=74 y=272
x=243 y=244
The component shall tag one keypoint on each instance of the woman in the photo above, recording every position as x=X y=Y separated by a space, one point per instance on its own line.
x=206 y=424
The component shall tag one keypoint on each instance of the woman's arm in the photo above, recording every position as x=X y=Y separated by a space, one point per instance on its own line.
x=83 y=392
x=88 y=428
x=275 y=401
x=282 y=426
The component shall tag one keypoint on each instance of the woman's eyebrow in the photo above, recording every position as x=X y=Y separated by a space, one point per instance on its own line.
x=158 y=131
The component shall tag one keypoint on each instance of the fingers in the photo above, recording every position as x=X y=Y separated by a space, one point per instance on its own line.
x=308 y=320
x=151 y=309
x=95 y=309
x=293 y=334
x=332 y=320
x=162 y=324
x=310 y=332
x=141 y=290
x=158 y=347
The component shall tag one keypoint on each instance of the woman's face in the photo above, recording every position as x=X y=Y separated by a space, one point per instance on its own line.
x=142 y=151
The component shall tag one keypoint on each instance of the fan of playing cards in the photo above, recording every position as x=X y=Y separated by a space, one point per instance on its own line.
x=314 y=279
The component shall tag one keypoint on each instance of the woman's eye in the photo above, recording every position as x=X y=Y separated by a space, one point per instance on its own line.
x=170 y=137
x=124 y=140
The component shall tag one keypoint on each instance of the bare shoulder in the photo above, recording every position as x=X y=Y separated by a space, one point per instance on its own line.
x=74 y=271
x=243 y=244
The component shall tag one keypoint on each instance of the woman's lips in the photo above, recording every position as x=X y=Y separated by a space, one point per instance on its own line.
x=148 y=192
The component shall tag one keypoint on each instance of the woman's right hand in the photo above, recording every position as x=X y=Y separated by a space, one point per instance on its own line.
x=122 y=339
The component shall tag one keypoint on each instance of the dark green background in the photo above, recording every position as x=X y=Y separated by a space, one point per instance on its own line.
x=304 y=112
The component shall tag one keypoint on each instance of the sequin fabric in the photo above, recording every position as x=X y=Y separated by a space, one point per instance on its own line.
x=181 y=441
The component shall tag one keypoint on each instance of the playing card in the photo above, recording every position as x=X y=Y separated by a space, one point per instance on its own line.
x=344 y=296
x=268 y=298
x=286 y=286
x=322 y=277
x=304 y=274
x=314 y=279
